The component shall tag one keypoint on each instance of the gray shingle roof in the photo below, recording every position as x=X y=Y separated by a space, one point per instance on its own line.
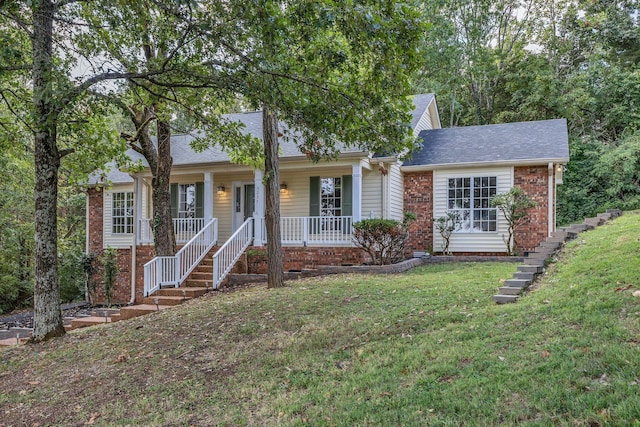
x=543 y=140
x=184 y=155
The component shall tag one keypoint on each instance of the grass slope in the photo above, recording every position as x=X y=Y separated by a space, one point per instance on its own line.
x=427 y=347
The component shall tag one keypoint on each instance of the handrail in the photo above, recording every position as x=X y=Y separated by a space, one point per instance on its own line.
x=225 y=257
x=173 y=270
x=192 y=253
x=183 y=228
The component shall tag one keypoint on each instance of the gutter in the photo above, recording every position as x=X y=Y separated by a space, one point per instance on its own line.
x=550 y=207
x=516 y=162
x=136 y=183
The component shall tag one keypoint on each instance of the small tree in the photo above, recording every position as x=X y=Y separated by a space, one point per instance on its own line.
x=513 y=204
x=383 y=239
x=110 y=272
x=446 y=225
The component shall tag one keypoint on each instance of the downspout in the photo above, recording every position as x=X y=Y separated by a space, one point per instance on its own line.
x=550 y=216
x=87 y=215
x=136 y=222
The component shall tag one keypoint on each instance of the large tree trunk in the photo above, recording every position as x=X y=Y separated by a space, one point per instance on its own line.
x=160 y=163
x=163 y=233
x=275 y=269
x=46 y=293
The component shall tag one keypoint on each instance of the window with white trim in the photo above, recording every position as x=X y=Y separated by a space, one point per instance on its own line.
x=186 y=201
x=122 y=213
x=471 y=199
x=331 y=197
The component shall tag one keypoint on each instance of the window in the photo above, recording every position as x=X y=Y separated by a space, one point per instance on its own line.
x=122 y=213
x=331 y=197
x=186 y=201
x=471 y=198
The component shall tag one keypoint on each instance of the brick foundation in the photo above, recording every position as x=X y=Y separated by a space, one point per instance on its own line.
x=310 y=257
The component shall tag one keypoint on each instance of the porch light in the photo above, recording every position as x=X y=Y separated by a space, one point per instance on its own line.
x=220 y=190
x=283 y=188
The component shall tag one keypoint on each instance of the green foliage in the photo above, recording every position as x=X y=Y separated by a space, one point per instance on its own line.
x=109 y=261
x=514 y=205
x=383 y=239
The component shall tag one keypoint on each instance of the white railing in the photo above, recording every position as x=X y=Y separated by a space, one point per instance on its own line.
x=315 y=230
x=173 y=270
x=225 y=258
x=192 y=253
x=183 y=228
x=158 y=272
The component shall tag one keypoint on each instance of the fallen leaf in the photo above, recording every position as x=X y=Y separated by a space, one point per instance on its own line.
x=545 y=353
x=34 y=382
x=636 y=294
x=386 y=393
x=93 y=418
x=623 y=288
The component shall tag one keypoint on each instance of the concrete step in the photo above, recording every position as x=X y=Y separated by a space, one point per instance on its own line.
x=540 y=255
x=594 y=222
x=140 y=310
x=508 y=290
x=178 y=292
x=554 y=246
x=524 y=275
x=605 y=216
x=530 y=269
x=614 y=212
x=517 y=283
x=579 y=228
x=539 y=262
x=568 y=232
x=165 y=300
x=83 y=322
x=504 y=299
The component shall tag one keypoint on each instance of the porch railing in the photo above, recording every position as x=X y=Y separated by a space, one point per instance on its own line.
x=173 y=270
x=183 y=228
x=315 y=230
x=225 y=258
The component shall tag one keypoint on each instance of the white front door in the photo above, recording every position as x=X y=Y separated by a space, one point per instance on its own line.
x=243 y=202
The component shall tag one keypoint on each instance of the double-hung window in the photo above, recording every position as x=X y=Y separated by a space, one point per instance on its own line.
x=122 y=213
x=471 y=199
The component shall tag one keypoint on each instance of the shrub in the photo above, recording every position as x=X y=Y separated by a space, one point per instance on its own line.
x=513 y=204
x=446 y=225
x=383 y=239
x=110 y=272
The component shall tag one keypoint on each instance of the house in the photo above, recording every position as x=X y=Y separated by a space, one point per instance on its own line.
x=218 y=206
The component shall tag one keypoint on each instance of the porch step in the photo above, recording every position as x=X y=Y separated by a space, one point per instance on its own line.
x=139 y=310
x=189 y=292
x=83 y=322
x=165 y=300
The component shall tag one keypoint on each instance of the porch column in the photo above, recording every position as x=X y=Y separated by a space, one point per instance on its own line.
x=137 y=208
x=208 y=197
x=259 y=206
x=356 y=192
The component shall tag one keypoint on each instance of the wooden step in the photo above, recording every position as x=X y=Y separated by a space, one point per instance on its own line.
x=165 y=300
x=504 y=299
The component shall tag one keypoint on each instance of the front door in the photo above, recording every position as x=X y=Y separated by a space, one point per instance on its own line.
x=243 y=203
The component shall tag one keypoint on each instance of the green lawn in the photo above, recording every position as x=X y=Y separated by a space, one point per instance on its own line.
x=427 y=347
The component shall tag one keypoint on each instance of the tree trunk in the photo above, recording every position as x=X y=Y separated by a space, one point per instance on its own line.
x=163 y=233
x=47 y=317
x=275 y=269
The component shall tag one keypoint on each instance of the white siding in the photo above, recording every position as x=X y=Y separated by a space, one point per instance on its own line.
x=470 y=242
x=110 y=239
x=395 y=193
x=371 y=193
x=424 y=122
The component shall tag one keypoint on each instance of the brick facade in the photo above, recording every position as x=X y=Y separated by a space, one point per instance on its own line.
x=534 y=180
x=418 y=198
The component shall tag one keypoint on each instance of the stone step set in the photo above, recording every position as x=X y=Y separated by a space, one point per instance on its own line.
x=536 y=261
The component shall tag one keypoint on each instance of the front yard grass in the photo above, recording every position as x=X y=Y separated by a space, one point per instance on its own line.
x=427 y=347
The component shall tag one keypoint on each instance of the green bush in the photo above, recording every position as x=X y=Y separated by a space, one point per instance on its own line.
x=383 y=239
